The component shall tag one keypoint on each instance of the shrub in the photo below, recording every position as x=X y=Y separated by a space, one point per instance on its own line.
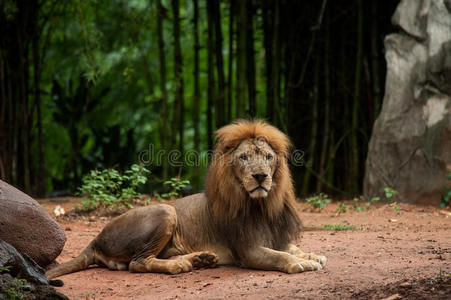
x=175 y=186
x=319 y=201
x=110 y=188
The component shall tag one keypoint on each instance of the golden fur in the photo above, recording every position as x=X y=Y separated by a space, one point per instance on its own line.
x=246 y=216
x=227 y=197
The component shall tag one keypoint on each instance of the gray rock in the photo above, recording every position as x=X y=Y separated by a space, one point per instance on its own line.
x=28 y=227
x=410 y=147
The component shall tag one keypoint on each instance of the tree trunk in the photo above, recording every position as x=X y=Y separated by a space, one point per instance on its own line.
x=250 y=59
x=326 y=124
x=375 y=59
x=230 y=62
x=196 y=100
x=314 y=130
x=354 y=167
x=178 y=76
x=268 y=27
x=241 y=58
x=5 y=160
x=165 y=130
x=211 y=76
x=41 y=175
x=220 y=102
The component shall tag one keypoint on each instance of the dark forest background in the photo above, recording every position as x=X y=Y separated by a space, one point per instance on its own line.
x=91 y=84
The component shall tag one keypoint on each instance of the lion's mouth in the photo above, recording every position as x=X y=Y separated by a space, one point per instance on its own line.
x=259 y=192
x=258 y=188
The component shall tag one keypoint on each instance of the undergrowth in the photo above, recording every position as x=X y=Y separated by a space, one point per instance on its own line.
x=175 y=186
x=109 y=188
x=339 y=227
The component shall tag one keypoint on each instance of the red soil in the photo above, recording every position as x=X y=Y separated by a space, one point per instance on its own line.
x=390 y=252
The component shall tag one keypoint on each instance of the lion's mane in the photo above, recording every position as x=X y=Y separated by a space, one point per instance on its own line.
x=271 y=221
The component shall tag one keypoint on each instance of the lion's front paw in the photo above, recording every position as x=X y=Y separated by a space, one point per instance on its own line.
x=179 y=266
x=321 y=259
x=303 y=265
x=310 y=256
x=310 y=265
x=294 y=268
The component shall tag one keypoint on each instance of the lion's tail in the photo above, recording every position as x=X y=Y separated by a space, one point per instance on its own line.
x=81 y=262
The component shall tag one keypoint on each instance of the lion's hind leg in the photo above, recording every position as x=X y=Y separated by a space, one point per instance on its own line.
x=179 y=264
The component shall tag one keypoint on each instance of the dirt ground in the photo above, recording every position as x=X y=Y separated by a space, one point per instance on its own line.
x=405 y=254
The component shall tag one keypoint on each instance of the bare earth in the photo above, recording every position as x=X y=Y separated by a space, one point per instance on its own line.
x=390 y=252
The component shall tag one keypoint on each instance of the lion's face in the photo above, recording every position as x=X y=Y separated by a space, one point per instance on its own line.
x=254 y=163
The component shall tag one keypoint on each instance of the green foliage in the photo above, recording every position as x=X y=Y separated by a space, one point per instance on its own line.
x=175 y=186
x=110 y=188
x=342 y=208
x=4 y=269
x=390 y=193
x=16 y=288
x=319 y=201
x=441 y=277
x=356 y=204
x=375 y=199
x=339 y=227
x=396 y=207
x=359 y=204
x=446 y=197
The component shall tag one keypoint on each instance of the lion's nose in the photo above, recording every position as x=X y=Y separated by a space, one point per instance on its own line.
x=259 y=177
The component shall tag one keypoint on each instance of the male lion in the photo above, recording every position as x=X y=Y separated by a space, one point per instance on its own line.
x=246 y=216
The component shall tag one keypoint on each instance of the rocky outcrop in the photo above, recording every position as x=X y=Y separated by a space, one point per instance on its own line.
x=410 y=147
x=22 y=266
x=28 y=227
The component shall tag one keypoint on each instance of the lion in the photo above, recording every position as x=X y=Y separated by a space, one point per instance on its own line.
x=246 y=216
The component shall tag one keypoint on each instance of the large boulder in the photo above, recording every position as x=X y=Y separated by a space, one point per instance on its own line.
x=410 y=147
x=28 y=227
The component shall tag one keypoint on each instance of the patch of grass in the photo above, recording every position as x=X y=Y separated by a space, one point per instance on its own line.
x=319 y=201
x=342 y=208
x=441 y=277
x=110 y=188
x=339 y=227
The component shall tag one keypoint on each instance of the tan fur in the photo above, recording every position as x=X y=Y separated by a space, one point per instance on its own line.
x=246 y=216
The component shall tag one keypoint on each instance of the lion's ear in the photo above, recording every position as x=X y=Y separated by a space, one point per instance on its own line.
x=225 y=137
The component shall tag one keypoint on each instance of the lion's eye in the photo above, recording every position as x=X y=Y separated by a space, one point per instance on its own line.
x=243 y=157
x=268 y=157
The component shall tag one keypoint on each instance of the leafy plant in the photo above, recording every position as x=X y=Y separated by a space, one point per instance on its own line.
x=375 y=199
x=319 y=201
x=110 y=188
x=389 y=193
x=4 y=269
x=396 y=207
x=339 y=227
x=342 y=208
x=175 y=186
x=441 y=276
x=16 y=287
x=356 y=204
x=446 y=197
